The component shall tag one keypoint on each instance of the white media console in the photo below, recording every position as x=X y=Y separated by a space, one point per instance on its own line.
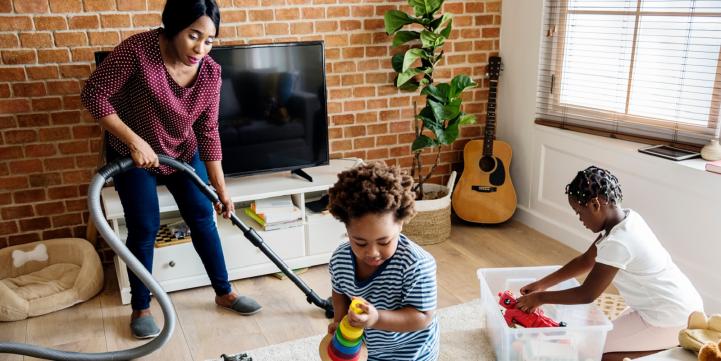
x=177 y=266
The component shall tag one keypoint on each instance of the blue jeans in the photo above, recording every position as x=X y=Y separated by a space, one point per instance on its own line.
x=139 y=197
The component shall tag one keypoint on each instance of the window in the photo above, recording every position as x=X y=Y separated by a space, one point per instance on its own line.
x=649 y=68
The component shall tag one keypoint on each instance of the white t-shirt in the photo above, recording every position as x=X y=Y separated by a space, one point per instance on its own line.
x=647 y=279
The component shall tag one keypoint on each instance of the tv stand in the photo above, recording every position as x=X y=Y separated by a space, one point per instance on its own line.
x=301 y=173
x=176 y=265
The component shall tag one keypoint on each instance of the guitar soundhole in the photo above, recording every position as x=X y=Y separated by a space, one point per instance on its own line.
x=487 y=164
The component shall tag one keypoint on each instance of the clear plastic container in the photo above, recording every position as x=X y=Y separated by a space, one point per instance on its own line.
x=581 y=340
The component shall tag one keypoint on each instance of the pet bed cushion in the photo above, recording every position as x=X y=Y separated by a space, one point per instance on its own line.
x=47 y=276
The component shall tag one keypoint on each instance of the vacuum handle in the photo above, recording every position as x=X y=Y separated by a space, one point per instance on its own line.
x=123 y=164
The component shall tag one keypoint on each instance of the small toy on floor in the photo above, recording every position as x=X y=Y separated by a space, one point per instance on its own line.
x=701 y=330
x=236 y=357
x=515 y=316
x=346 y=344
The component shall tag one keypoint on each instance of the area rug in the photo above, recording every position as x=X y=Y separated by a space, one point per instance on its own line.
x=462 y=338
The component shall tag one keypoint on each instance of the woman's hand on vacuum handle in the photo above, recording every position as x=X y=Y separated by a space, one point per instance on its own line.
x=143 y=155
x=225 y=205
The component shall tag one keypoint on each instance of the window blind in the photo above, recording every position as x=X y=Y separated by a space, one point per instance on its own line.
x=648 y=68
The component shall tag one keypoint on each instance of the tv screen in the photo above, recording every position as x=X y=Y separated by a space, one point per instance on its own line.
x=273 y=113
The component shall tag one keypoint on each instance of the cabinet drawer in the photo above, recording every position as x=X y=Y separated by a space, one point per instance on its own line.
x=325 y=233
x=239 y=252
x=178 y=261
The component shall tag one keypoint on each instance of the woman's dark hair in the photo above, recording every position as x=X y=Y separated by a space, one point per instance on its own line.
x=594 y=182
x=372 y=188
x=179 y=14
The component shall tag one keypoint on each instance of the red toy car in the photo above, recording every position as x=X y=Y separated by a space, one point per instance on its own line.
x=515 y=316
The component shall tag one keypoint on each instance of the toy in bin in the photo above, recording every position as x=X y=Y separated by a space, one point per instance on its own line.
x=515 y=316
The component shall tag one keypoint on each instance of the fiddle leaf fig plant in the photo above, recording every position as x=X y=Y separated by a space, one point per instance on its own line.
x=437 y=124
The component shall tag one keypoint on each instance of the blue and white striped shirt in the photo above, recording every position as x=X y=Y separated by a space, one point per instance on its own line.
x=407 y=279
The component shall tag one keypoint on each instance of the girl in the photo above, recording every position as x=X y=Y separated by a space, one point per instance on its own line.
x=158 y=92
x=627 y=253
x=394 y=277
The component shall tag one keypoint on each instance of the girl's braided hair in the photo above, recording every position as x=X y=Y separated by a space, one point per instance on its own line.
x=372 y=188
x=594 y=182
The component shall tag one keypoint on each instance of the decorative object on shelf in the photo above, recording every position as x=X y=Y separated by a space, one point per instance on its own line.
x=712 y=150
x=437 y=124
x=169 y=235
x=485 y=192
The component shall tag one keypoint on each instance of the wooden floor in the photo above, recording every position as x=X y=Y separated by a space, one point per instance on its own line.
x=205 y=331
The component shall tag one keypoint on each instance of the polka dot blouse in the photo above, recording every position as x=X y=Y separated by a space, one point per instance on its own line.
x=176 y=121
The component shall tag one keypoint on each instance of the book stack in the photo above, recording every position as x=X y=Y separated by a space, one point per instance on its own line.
x=714 y=166
x=274 y=213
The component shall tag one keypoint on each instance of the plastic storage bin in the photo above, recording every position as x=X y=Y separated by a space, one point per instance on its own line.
x=581 y=340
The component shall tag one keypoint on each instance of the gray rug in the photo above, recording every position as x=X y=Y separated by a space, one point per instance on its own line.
x=461 y=339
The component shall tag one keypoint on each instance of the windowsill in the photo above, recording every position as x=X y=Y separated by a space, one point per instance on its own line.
x=630 y=149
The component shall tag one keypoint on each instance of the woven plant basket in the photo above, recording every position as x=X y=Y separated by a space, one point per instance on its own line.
x=432 y=223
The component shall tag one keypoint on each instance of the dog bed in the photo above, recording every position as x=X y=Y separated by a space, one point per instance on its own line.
x=46 y=276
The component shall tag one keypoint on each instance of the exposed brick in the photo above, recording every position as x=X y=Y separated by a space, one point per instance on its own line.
x=13 y=106
x=18 y=56
x=4 y=90
x=74 y=147
x=6 y=6
x=301 y=28
x=39 y=150
x=131 y=5
x=276 y=29
x=34 y=224
x=9 y=40
x=11 y=152
x=29 y=196
x=66 y=6
x=49 y=208
x=35 y=89
x=70 y=39
x=7 y=121
x=15 y=240
x=33 y=120
x=104 y=38
x=12 y=73
x=63 y=192
x=67 y=220
x=42 y=72
x=15 y=23
x=63 y=118
x=50 y=23
x=84 y=22
x=58 y=233
x=99 y=5
x=77 y=176
x=83 y=54
x=53 y=56
x=8 y=227
x=75 y=71
x=31 y=6
x=326 y=26
x=46 y=104
x=260 y=15
x=146 y=20
x=56 y=87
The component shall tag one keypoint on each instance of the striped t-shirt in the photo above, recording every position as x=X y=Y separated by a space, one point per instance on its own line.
x=407 y=279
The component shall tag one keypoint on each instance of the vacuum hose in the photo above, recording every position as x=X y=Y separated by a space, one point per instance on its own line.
x=96 y=213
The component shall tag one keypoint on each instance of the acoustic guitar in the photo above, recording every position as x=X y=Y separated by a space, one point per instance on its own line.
x=485 y=193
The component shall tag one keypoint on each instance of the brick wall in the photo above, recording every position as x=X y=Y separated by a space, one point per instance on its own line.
x=49 y=144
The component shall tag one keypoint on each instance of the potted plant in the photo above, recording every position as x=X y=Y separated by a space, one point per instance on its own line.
x=437 y=124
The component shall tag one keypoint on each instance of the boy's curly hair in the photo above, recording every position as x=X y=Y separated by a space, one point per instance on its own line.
x=594 y=182
x=372 y=188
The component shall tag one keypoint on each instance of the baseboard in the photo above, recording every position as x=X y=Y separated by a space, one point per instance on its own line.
x=553 y=229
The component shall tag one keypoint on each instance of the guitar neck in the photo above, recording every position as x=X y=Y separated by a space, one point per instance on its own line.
x=490 y=130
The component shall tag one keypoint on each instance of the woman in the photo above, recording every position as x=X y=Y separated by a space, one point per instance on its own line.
x=158 y=93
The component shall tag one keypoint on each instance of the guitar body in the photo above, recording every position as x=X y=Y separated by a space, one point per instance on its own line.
x=485 y=193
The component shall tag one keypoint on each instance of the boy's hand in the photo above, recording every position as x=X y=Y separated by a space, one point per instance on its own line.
x=332 y=327
x=529 y=302
x=533 y=287
x=367 y=319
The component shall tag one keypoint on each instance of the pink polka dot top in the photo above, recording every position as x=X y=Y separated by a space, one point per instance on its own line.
x=176 y=121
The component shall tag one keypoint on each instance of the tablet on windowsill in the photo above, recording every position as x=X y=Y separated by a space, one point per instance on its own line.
x=668 y=152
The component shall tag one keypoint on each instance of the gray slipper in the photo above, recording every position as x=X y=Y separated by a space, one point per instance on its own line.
x=144 y=327
x=245 y=306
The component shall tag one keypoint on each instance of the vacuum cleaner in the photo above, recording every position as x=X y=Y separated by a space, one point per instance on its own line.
x=96 y=184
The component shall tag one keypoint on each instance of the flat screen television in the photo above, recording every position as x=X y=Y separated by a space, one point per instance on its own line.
x=273 y=113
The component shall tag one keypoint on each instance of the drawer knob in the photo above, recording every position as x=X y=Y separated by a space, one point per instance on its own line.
x=171 y=264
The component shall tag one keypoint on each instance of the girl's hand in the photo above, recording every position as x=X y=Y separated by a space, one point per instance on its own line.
x=332 y=327
x=143 y=155
x=225 y=205
x=529 y=302
x=367 y=319
x=533 y=287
